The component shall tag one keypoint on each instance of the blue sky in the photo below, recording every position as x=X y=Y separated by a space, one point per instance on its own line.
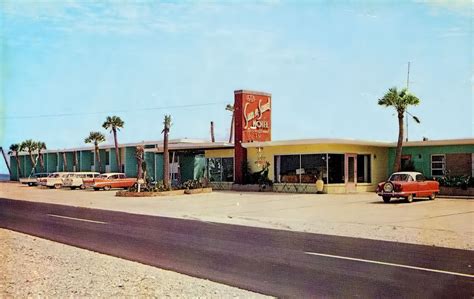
x=325 y=62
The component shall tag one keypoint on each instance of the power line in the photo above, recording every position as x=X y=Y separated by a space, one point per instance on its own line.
x=113 y=111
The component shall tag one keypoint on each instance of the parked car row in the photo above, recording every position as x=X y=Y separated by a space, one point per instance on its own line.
x=81 y=180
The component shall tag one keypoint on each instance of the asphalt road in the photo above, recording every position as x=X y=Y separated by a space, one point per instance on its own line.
x=273 y=262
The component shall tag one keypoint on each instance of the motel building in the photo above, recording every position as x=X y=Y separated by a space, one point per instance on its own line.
x=345 y=165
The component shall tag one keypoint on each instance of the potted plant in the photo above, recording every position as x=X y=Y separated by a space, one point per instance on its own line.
x=319 y=182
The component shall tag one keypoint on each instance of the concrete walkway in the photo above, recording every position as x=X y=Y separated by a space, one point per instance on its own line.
x=443 y=222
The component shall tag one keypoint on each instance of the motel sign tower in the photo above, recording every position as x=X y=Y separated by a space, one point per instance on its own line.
x=252 y=124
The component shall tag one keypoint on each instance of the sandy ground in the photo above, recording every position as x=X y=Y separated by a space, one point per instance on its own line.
x=442 y=222
x=34 y=267
x=31 y=267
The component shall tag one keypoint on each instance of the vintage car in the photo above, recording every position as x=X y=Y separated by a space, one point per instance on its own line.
x=107 y=181
x=407 y=185
x=54 y=180
x=81 y=180
x=32 y=180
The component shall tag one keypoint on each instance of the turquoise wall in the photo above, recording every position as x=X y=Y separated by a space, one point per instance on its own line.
x=113 y=160
x=150 y=165
x=421 y=155
x=130 y=162
x=60 y=162
x=52 y=162
x=186 y=165
x=70 y=161
x=159 y=167
x=27 y=165
x=14 y=169
x=86 y=160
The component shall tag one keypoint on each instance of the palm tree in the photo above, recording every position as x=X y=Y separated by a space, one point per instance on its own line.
x=40 y=145
x=30 y=146
x=114 y=123
x=166 y=156
x=399 y=100
x=14 y=149
x=231 y=108
x=139 y=150
x=96 y=138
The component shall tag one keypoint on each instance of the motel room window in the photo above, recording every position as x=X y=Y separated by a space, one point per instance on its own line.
x=107 y=158
x=220 y=169
x=438 y=165
x=363 y=169
x=300 y=168
x=287 y=168
x=336 y=168
x=92 y=158
x=312 y=166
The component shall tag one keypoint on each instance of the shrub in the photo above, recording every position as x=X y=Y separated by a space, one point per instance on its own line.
x=463 y=181
x=149 y=187
x=191 y=184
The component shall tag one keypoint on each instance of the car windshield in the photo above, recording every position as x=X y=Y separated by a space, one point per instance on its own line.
x=102 y=176
x=54 y=175
x=400 y=177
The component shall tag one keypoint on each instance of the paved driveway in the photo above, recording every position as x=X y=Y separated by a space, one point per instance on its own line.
x=443 y=222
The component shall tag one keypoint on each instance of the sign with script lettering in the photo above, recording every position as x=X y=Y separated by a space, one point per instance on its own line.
x=256 y=117
x=252 y=123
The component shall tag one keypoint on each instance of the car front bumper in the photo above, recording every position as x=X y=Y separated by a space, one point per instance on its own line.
x=393 y=194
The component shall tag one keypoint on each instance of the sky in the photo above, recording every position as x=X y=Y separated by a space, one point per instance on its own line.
x=66 y=65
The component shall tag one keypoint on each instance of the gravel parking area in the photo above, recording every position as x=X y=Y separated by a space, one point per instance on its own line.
x=34 y=267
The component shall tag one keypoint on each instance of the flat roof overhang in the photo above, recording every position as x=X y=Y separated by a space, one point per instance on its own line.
x=315 y=141
x=464 y=141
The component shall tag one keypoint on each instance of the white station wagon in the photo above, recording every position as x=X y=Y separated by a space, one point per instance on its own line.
x=54 y=180
x=80 y=180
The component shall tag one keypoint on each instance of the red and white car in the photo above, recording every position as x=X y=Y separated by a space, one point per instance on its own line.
x=108 y=181
x=407 y=184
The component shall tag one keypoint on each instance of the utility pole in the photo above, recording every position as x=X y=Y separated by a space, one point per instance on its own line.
x=213 y=139
x=408 y=84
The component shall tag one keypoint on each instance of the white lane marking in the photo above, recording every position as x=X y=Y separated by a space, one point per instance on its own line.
x=390 y=264
x=78 y=219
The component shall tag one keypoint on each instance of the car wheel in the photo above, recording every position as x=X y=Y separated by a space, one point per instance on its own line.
x=57 y=186
x=82 y=187
x=409 y=198
x=30 y=184
x=386 y=199
x=106 y=188
x=432 y=196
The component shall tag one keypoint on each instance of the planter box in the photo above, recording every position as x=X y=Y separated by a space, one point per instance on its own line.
x=295 y=188
x=251 y=188
x=455 y=191
x=148 y=194
x=198 y=191
x=221 y=185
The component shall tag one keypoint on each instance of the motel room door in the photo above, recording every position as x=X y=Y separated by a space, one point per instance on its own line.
x=350 y=172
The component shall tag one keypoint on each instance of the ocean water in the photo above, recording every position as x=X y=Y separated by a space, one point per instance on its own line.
x=4 y=177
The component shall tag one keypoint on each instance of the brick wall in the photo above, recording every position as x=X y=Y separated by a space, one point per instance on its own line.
x=459 y=164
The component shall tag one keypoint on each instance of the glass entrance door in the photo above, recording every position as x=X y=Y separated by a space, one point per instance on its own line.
x=350 y=172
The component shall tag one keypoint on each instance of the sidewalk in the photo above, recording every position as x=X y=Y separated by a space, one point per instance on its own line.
x=443 y=222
